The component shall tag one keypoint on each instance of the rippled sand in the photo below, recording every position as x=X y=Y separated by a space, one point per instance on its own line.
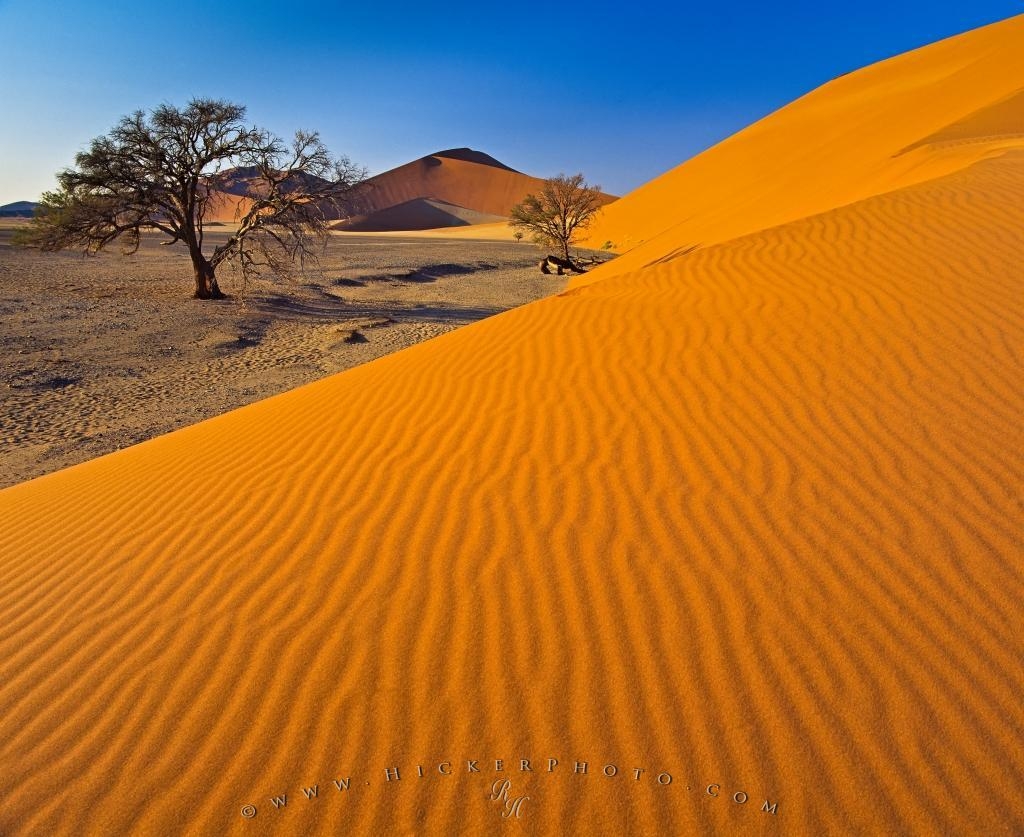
x=731 y=543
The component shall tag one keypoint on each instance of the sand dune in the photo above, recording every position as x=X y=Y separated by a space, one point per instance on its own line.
x=903 y=121
x=452 y=188
x=496 y=231
x=480 y=188
x=418 y=214
x=227 y=208
x=737 y=530
x=232 y=197
x=460 y=176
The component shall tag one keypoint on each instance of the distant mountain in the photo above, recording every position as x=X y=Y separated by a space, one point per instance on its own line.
x=18 y=209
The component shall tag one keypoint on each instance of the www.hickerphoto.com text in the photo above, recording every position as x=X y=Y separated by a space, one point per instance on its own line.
x=396 y=775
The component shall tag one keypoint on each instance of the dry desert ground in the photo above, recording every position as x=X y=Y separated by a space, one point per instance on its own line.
x=99 y=353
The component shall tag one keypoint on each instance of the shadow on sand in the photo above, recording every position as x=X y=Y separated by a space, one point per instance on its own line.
x=330 y=308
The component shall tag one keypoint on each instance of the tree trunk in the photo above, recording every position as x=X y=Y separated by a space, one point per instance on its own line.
x=560 y=265
x=206 y=280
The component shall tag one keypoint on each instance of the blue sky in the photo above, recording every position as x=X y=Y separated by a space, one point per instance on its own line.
x=620 y=91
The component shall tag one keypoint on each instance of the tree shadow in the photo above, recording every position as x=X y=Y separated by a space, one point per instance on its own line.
x=331 y=308
x=420 y=275
x=433 y=272
x=58 y=382
x=250 y=333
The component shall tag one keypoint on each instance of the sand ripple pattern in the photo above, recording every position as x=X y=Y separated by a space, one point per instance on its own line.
x=753 y=517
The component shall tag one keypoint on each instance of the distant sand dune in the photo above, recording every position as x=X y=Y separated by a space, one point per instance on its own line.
x=749 y=518
x=445 y=189
x=418 y=214
x=451 y=188
x=474 y=183
x=226 y=208
x=496 y=231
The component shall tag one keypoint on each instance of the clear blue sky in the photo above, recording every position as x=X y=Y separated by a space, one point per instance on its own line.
x=620 y=91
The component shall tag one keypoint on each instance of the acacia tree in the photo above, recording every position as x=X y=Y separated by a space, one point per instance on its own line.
x=563 y=208
x=164 y=171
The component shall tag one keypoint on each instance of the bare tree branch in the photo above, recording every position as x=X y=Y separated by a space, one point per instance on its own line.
x=164 y=173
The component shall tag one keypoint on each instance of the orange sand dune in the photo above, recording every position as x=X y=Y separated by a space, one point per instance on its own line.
x=226 y=208
x=418 y=214
x=476 y=184
x=497 y=231
x=736 y=540
x=462 y=177
x=903 y=121
x=235 y=187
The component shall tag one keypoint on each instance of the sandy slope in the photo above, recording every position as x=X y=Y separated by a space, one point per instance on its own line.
x=479 y=188
x=476 y=183
x=419 y=214
x=749 y=519
x=903 y=121
x=227 y=208
x=497 y=231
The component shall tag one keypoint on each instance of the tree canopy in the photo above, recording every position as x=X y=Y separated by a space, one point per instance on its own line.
x=563 y=208
x=167 y=170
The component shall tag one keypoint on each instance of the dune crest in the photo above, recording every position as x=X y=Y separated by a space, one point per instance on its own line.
x=905 y=120
x=730 y=544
